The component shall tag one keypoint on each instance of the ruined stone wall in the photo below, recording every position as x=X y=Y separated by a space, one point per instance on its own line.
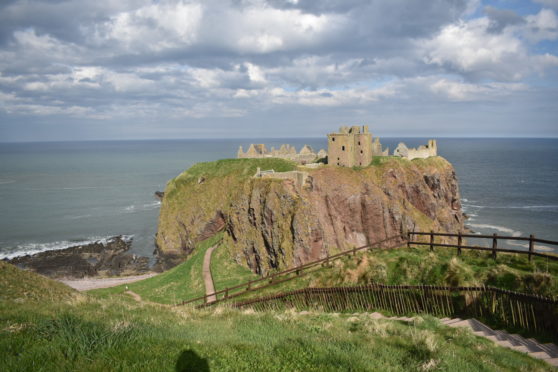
x=421 y=152
x=305 y=156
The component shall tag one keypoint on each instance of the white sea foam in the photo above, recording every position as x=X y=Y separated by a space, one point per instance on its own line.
x=79 y=217
x=34 y=248
x=153 y=205
x=497 y=228
x=143 y=207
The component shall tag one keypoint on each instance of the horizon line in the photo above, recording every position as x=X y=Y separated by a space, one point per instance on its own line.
x=260 y=138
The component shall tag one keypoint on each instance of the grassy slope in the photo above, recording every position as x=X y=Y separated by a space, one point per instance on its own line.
x=100 y=334
x=17 y=285
x=179 y=283
x=420 y=266
x=227 y=273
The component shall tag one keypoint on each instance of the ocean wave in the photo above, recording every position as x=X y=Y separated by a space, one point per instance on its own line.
x=533 y=207
x=513 y=233
x=5 y=182
x=34 y=248
x=79 y=217
x=143 y=207
x=503 y=229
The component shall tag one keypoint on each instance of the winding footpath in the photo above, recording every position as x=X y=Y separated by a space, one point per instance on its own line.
x=207 y=278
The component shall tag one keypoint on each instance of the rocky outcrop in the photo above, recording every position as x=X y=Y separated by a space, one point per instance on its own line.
x=272 y=223
x=107 y=258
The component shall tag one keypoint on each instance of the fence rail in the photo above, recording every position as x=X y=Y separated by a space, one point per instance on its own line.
x=494 y=240
x=508 y=309
x=284 y=276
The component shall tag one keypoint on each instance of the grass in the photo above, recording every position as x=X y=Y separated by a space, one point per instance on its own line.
x=179 y=283
x=17 y=285
x=108 y=334
x=226 y=272
x=240 y=169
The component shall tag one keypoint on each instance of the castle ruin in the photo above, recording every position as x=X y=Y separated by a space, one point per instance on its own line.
x=421 y=152
x=305 y=156
x=353 y=146
x=349 y=147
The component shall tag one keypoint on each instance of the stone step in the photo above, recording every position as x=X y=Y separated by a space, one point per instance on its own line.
x=533 y=347
x=451 y=321
x=550 y=349
x=540 y=355
x=504 y=336
x=521 y=348
x=504 y=344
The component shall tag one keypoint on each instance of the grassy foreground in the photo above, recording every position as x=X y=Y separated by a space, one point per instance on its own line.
x=85 y=333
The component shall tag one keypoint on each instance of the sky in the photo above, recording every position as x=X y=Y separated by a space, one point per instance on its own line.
x=146 y=69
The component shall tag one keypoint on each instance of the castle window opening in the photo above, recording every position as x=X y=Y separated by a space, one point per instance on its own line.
x=342 y=148
x=333 y=139
x=361 y=151
x=337 y=158
x=359 y=144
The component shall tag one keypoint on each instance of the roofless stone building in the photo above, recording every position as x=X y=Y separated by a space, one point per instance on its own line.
x=353 y=146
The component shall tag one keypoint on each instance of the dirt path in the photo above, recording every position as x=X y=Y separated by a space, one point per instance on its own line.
x=94 y=283
x=207 y=278
x=136 y=296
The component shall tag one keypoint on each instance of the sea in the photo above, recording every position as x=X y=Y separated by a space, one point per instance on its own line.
x=58 y=194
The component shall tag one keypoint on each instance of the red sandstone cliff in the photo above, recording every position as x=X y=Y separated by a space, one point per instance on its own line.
x=273 y=224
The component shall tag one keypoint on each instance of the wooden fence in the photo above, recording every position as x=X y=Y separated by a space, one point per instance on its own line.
x=287 y=275
x=459 y=246
x=504 y=308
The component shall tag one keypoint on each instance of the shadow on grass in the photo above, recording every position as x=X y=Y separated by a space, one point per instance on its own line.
x=189 y=361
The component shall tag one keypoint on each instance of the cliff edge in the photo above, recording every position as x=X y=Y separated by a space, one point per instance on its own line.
x=273 y=223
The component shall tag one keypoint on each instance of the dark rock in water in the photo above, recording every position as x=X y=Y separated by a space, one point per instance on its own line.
x=159 y=195
x=106 y=258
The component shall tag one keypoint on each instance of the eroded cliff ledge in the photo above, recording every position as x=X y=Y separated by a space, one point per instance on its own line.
x=273 y=224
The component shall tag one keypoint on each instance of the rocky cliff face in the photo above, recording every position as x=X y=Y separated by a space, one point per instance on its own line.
x=272 y=224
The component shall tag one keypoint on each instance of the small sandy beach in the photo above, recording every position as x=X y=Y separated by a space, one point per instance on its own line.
x=86 y=284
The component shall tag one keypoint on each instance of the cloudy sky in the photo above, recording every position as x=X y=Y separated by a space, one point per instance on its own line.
x=139 y=69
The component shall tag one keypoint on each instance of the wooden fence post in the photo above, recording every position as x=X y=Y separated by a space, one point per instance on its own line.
x=494 y=245
x=226 y=292
x=408 y=239
x=459 y=241
x=205 y=298
x=431 y=240
x=531 y=245
x=249 y=285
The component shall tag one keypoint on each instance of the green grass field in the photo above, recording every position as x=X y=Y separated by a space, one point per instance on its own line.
x=90 y=333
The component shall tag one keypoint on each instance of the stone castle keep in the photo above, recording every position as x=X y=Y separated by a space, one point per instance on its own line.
x=353 y=146
x=349 y=147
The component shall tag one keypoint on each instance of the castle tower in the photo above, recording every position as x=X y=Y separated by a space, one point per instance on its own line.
x=350 y=147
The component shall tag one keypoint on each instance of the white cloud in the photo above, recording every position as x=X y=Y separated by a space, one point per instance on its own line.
x=541 y=26
x=153 y=27
x=460 y=91
x=470 y=48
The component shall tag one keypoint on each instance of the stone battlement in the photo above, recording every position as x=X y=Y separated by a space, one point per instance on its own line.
x=286 y=151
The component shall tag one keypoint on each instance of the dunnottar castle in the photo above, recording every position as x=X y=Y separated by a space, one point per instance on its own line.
x=350 y=146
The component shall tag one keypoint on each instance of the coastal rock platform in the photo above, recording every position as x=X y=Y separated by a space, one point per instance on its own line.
x=102 y=258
